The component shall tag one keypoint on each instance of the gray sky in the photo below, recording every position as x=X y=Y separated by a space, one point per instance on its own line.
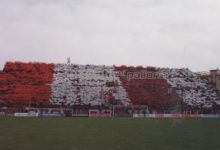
x=163 y=33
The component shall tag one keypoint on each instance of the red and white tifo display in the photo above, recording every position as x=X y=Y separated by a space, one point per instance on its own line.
x=41 y=84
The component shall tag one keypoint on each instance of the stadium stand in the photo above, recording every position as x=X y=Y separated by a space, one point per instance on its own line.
x=83 y=86
x=147 y=90
x=25 y=83
x=196 y=92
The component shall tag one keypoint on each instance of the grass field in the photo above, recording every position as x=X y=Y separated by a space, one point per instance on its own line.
x=109 y=134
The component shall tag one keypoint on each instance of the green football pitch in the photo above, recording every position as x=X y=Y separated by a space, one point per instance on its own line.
x=109 y=134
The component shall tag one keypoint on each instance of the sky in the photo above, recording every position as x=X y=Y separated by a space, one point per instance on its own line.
x=161 y=33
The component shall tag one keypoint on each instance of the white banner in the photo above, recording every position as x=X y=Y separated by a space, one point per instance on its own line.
x=21 y=114
x=26 y=114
